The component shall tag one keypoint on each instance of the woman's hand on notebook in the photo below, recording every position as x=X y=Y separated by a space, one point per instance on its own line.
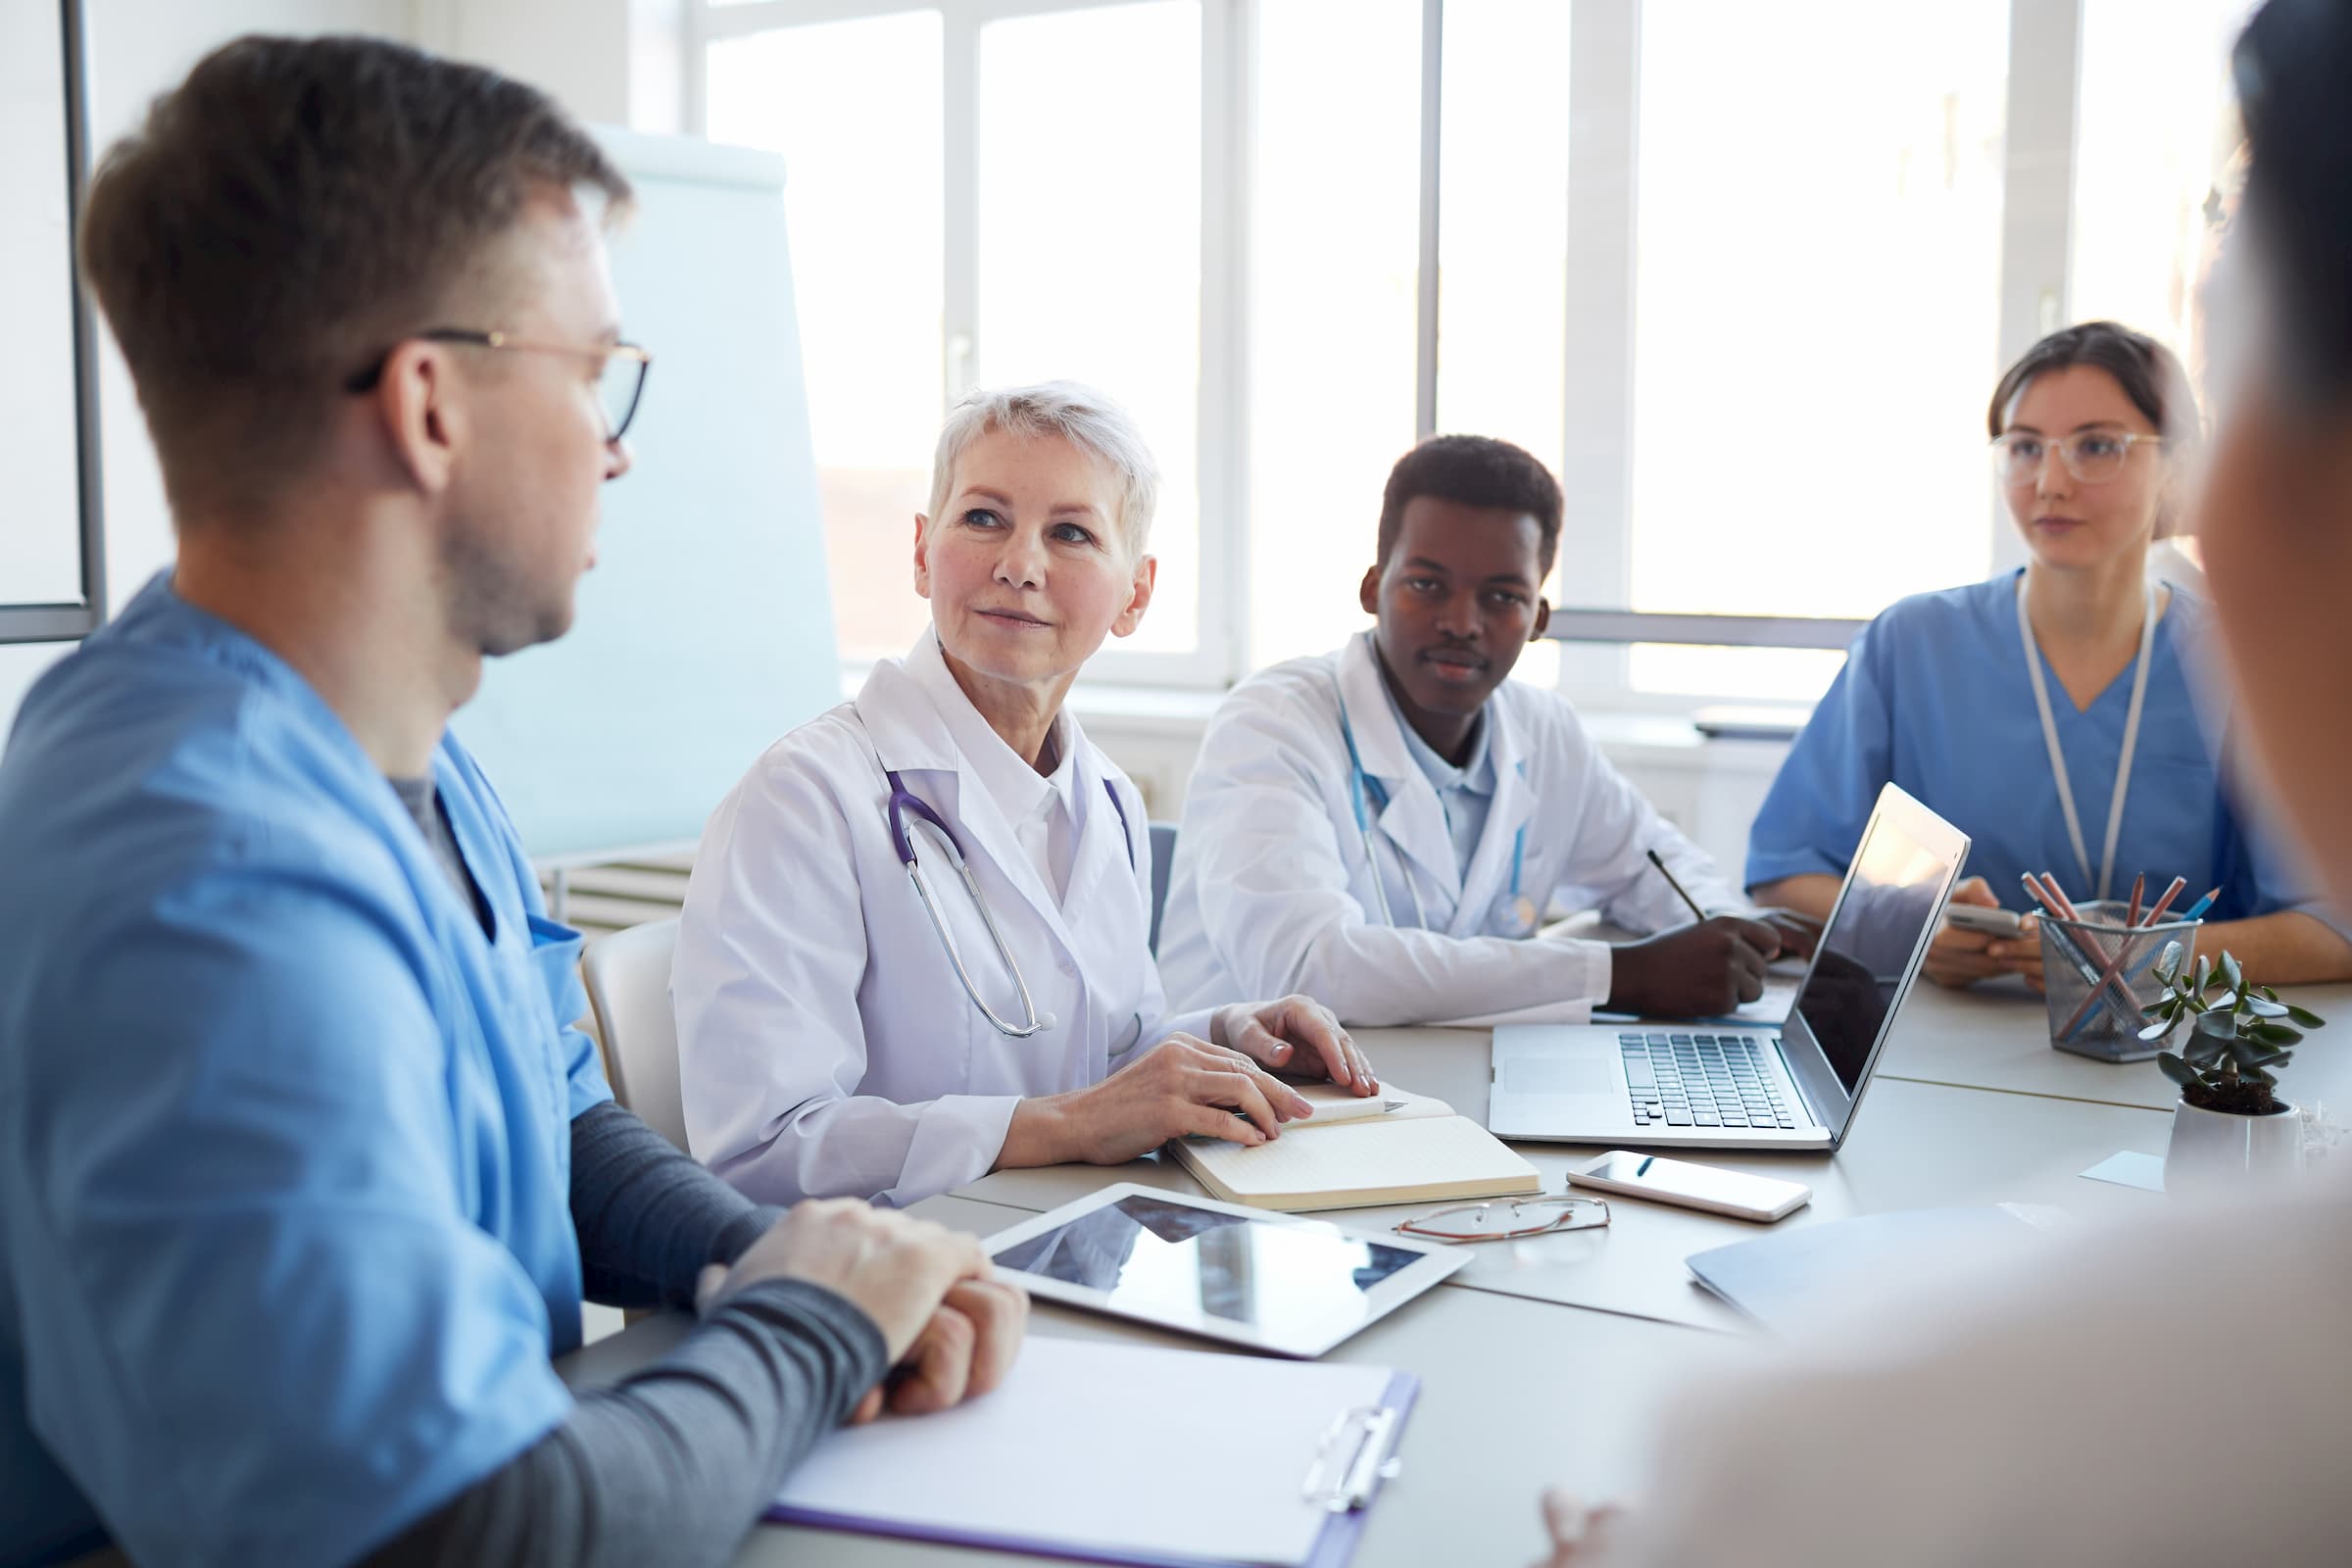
x=1297 y=1035
x=1179 y=1088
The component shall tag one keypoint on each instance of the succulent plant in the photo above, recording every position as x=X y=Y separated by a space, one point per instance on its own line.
x=2239 y=1036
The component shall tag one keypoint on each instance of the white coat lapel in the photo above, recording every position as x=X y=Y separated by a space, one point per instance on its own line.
x=1414 y=820
x=1514 y=806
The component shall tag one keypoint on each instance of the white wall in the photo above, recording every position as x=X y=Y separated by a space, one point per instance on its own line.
x=137 y=49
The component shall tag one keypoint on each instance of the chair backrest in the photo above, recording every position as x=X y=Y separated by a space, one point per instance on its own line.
x=1163 y=856
x=627 y=974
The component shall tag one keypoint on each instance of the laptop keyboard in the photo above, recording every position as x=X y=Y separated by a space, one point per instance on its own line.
x=1698 y=1080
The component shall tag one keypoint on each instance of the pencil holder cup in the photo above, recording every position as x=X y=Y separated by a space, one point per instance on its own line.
x=2098 y=973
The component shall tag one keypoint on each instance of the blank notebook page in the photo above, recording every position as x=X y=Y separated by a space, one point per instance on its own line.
x=1368 y=1155
x=1200 y=1455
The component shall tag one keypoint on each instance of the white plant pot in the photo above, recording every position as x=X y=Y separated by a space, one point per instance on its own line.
x=2217 y=1149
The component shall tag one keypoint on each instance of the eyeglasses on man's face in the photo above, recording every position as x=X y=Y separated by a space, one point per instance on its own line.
x=2091 y=455
x=619 y=380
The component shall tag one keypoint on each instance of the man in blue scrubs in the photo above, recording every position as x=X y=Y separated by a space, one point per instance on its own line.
x=304 y=1173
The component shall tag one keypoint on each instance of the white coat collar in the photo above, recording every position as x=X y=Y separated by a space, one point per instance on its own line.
x=902 y=714
x=1415 y=820
x=1016 y=786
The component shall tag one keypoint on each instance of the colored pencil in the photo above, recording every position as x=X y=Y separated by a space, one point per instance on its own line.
x=2166 y=902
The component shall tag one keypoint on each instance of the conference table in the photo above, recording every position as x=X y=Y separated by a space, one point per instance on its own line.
x=1545 y=1359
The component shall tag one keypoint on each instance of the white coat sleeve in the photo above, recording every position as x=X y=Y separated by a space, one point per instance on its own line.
x=1273 y=889
x=772 y=1048
x=1608 y=834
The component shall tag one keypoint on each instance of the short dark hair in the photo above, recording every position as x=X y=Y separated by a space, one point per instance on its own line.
x=2149 y=374
x=291 y=209
x=1473 y=470
x=2291 y=67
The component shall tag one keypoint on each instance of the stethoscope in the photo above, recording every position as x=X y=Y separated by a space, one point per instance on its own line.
x=1513 y=914
x=904 y=800
x=2122 y=761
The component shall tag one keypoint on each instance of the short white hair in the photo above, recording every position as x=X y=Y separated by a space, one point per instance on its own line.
x=1080 y=415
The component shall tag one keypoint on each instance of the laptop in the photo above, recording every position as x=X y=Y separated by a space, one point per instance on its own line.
x=1745 y=1086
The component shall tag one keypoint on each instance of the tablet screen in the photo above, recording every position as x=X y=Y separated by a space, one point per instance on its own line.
x=1157 y=1259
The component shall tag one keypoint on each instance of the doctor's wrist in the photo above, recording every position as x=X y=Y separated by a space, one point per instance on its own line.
x=1042 y=1132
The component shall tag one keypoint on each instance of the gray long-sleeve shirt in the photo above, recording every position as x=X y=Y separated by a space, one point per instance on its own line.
x=674 y=1464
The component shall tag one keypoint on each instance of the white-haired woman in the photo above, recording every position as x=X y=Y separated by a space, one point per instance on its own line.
x=859 y=1017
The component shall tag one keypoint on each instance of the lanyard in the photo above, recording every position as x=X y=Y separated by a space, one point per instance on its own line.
x=2122 y=761
x=1362 y=786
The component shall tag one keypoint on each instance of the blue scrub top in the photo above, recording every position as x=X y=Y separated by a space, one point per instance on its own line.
x=1936 y=697
x=285 y=1240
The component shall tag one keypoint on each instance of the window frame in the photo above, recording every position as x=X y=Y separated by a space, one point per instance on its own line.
x=2044 y=46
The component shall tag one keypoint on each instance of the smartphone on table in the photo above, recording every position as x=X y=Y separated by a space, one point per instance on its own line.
x=1678 y=1181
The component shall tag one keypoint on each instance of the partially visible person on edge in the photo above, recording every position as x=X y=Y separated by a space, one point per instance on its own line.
x=1387 y=826
x=2068 y=1414
x=2049 y=712
x=304 y=1171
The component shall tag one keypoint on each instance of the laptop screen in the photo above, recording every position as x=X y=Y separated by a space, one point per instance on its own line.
x=1895 y=888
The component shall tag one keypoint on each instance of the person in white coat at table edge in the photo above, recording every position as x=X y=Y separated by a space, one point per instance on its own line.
x=858 y=1017
x=1385 y=827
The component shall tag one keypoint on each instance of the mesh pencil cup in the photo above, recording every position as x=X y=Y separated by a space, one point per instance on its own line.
x=2098 y=973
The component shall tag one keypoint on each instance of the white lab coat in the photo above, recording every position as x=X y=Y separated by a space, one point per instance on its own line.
x=825 y=1046
x=2173 y=1392
x=1270 y=892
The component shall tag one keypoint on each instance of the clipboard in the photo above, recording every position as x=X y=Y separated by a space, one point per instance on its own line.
x=1104 y=1452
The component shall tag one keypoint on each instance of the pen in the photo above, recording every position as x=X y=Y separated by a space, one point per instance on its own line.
x=1681 y=892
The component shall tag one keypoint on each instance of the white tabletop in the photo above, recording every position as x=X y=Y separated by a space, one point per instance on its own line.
x=1997 y=1037
x=1580 y=1389
x=1912 y=1146
x=1541 y=1361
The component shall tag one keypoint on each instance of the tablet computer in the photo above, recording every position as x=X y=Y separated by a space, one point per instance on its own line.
x=1283 y=1283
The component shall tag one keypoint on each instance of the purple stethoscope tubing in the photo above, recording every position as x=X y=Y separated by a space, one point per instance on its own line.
x=904 y=800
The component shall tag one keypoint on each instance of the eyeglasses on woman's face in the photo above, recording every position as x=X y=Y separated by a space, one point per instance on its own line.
x=2091 y=455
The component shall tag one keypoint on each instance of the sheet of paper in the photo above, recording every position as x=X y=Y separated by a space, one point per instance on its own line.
x=1054 y=1456
x=2130 y=1170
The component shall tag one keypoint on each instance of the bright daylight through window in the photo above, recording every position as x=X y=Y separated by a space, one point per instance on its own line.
x=1218 y=211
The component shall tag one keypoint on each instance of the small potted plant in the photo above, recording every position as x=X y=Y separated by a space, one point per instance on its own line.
x=2230 y=1121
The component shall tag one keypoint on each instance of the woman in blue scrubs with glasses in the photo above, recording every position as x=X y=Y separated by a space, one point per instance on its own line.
x=2049 y=712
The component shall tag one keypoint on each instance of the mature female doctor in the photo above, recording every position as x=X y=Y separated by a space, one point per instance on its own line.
x=916 y=941
x=2049 y=712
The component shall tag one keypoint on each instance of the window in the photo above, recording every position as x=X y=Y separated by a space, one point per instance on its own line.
x=854 y=107
x=1816 y=288
x=1090 y=242
x=1334 y=271
x=1744 y=275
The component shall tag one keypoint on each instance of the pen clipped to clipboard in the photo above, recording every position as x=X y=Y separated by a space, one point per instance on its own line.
x=1358 y=1454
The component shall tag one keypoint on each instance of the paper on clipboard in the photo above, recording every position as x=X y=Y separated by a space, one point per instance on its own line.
x=1055 y=1461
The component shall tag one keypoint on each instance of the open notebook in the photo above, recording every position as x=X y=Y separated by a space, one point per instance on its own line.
x=1390 y=1147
